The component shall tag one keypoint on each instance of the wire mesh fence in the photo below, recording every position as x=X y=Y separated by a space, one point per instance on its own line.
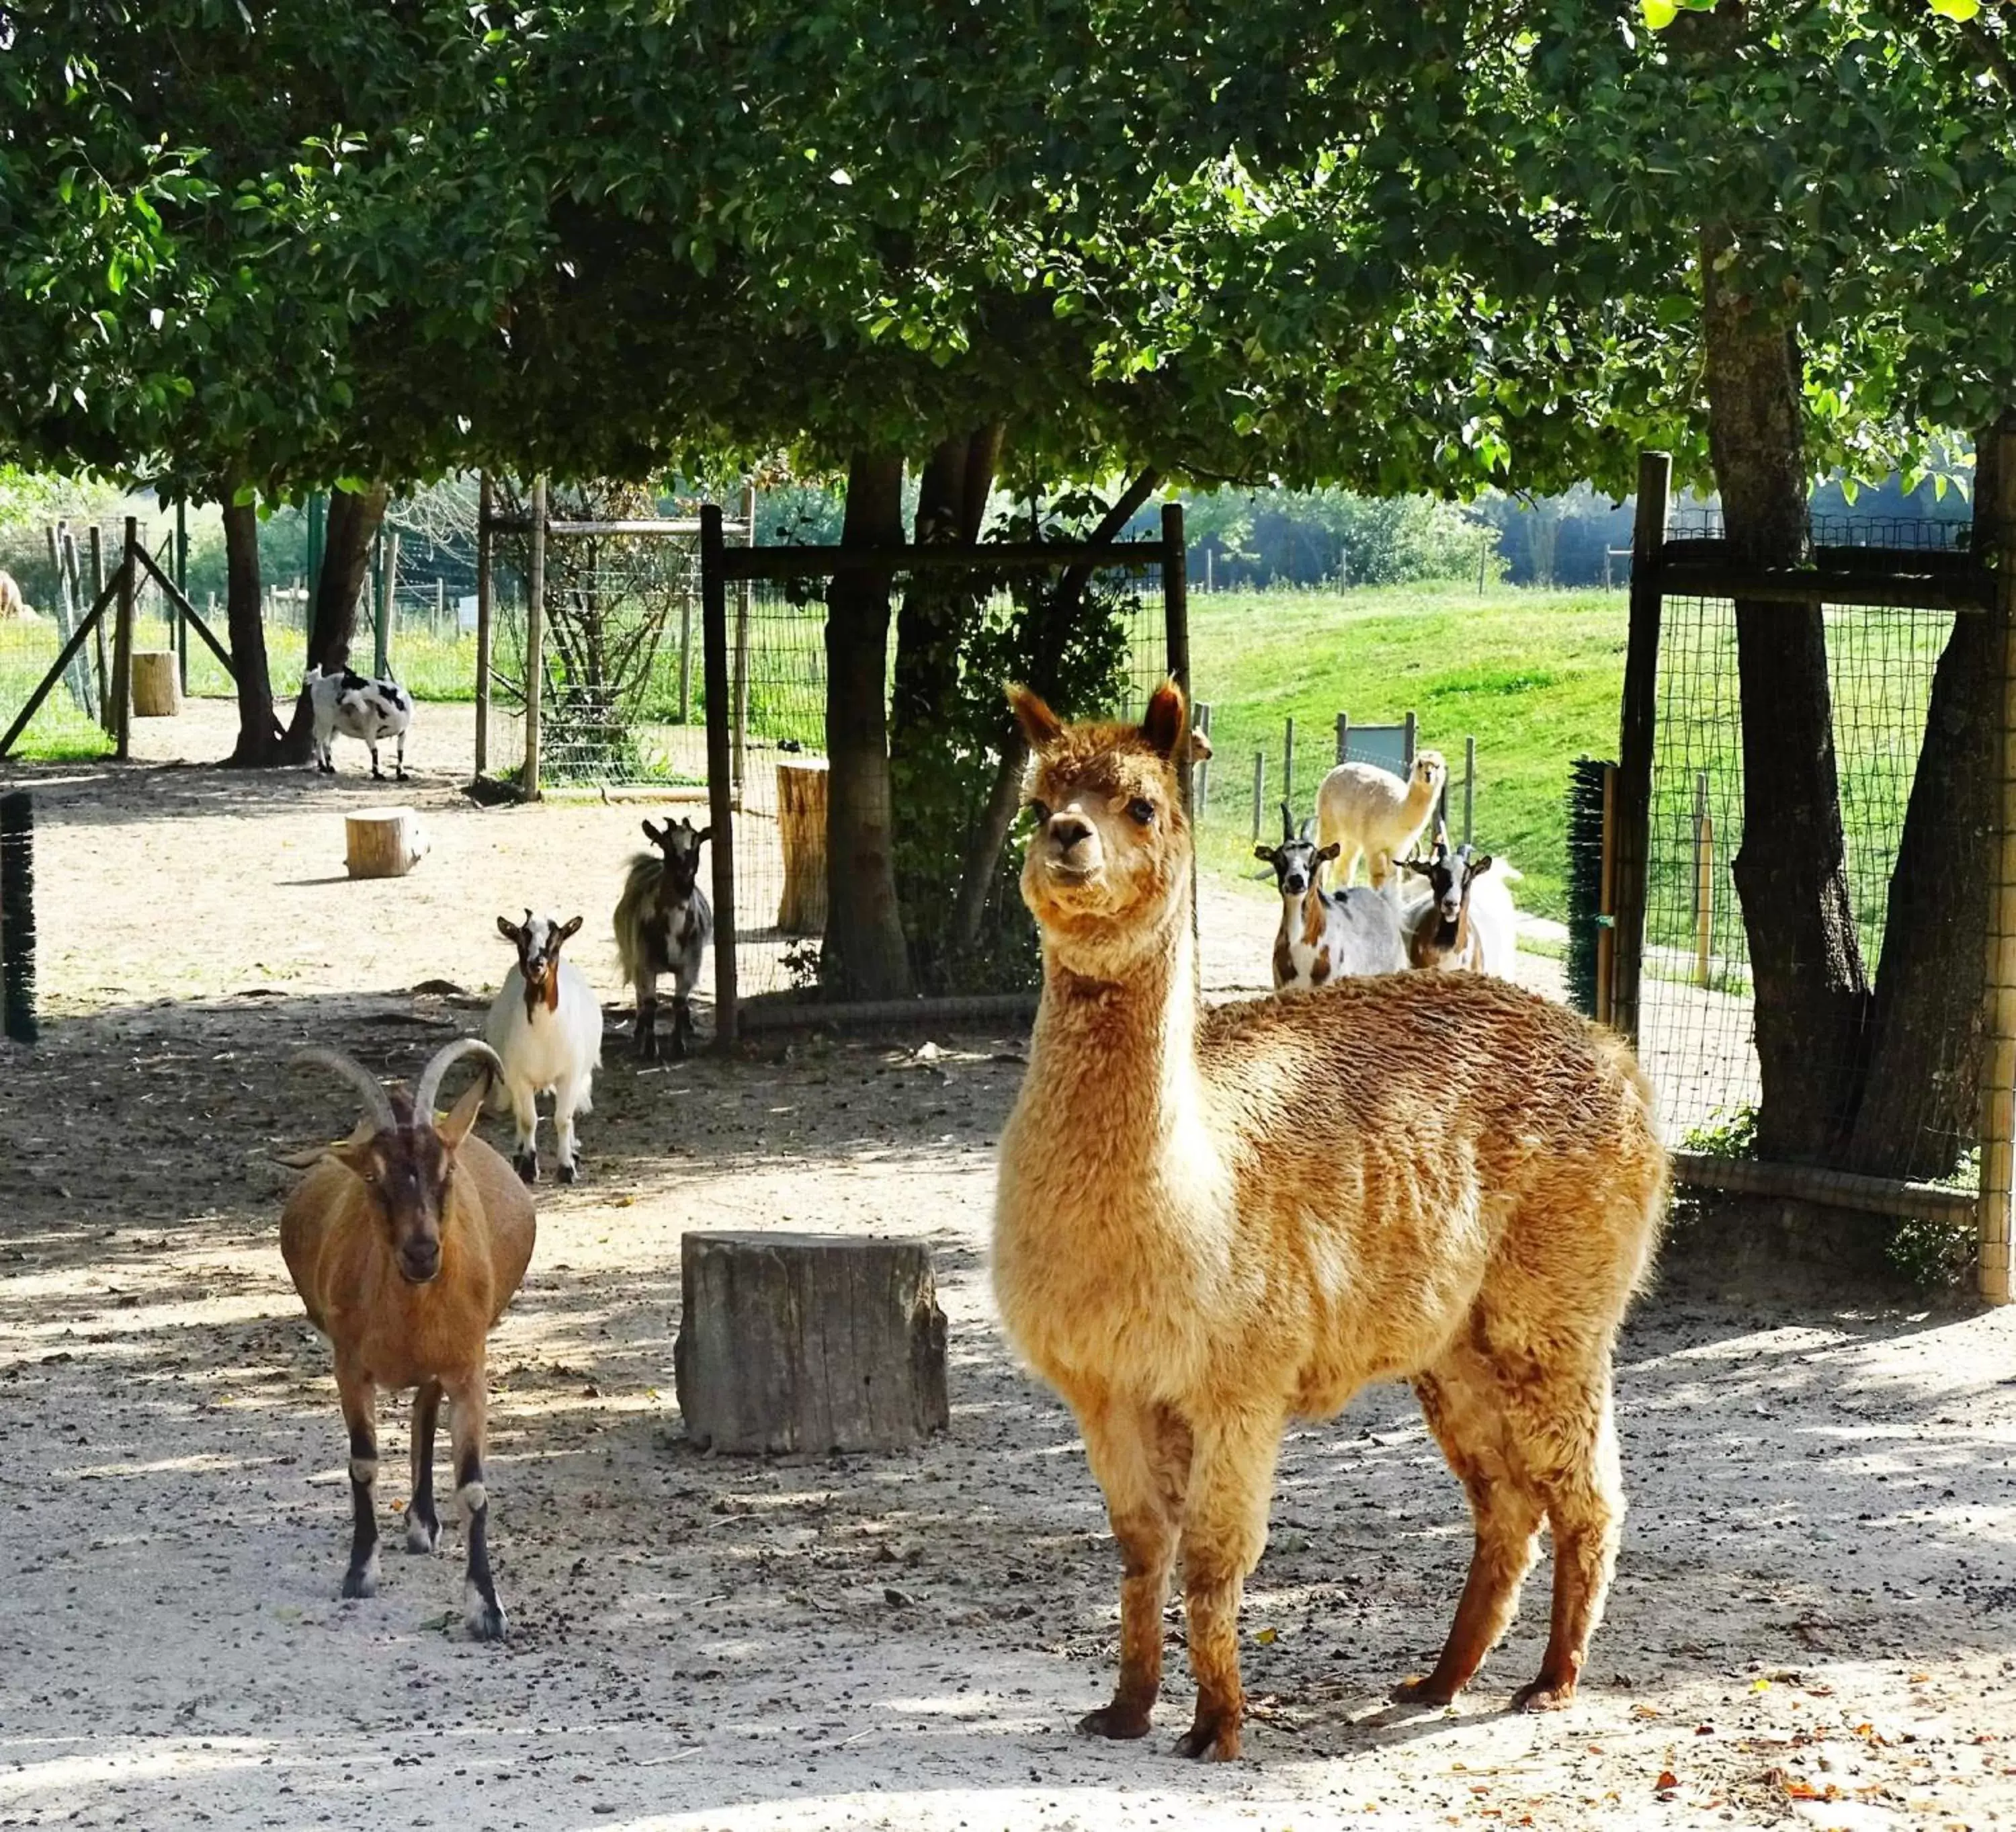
x=957 y=860
x=1697 y=1018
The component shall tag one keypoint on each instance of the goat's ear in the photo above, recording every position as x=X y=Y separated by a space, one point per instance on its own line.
x=354 y=1153
x=1040 y=726
x=1421 y=865
x=1329 y=851
x=1265 y=852
x=461 y=1116
x=1479 y=866
x=652 y=834
x=701 y=838
x=567 y=929
x=508 y=929
x=1162 y=724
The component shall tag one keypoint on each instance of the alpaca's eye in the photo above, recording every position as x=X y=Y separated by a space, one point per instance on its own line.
x=1141 y=811
x=1039 y=811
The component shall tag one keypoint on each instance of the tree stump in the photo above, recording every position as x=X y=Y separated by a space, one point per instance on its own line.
x=809 y=1342
x=801 y=831
x=383 y=842
x=157 y=685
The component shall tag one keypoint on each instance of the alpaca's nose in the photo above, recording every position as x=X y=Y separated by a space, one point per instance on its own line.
x=1067 y=830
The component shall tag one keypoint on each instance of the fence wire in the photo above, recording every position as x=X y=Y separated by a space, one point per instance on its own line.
x=777 y=674
x=1696 y=1017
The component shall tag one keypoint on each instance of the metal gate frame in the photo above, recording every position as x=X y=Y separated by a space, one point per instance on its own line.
x=721 y=565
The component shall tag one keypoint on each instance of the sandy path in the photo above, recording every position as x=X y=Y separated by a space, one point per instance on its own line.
x=1814 y=1594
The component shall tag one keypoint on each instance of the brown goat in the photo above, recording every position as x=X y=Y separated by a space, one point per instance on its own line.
x=1210 y=1222
x=406 y=1242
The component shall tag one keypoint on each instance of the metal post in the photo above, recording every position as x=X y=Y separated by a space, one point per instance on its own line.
x=181 y=585
x=720 y=789
x=1408 y=733
x=388 y=554
x=122 y=646
x=1483 y=556
x=1634 y=750
x=1343 y=737
x=97 y=535
x=1288 y=763
x=1704 y=878
x=483 y=503
x=535 y=641
x=1468 y=786
x=1259 y=790
x=1998 y=1090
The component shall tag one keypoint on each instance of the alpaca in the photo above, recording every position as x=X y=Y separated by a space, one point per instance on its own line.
x=1369 y=813
x=1210 y=1222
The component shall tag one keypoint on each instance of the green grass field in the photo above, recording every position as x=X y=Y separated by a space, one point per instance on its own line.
x=1534 y=676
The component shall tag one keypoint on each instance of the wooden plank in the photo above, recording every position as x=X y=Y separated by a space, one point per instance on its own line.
x=801 y=563
x=1998 y=1091
x=1917 y=591
x=1632 y=854
x=1887 y=1195
x=483 y=631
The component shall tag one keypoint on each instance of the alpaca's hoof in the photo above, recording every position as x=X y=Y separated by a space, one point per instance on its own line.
x=1210 y=1740
x=1541 y=1696
x=1121 y=1723
x=1423 y=1689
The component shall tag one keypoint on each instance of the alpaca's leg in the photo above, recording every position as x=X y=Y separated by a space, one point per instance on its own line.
x=1465 y=1414
x=1225 y=1531
x=1140 y=1455
x=1572 y=1450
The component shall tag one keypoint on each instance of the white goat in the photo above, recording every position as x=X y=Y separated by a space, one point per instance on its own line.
x=358 y=706
x=1467 y=922
x=1328 y=935
x=545 y=1025
x=1368 y=812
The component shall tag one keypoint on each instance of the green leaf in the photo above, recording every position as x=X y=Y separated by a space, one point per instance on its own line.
x=1962 y=10
x=1659 y=14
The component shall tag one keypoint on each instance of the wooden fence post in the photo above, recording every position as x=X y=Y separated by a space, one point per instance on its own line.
x=1998 y=1092
x=122 y=645
x=1343 y=737
x=97 y=591
x=484 y=500
x=1469 y=786
x=1259 y=790
x=535 y=641
x=1633 y=805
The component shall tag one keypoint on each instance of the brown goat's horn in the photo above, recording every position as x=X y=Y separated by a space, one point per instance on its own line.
x=377 y=1102
x=443 y=1059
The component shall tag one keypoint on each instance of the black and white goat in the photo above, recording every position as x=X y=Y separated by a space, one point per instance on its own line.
x=664 y=923
x=1328 y=935
x=545 y=1025
x=1468 y=923
x=358 y=706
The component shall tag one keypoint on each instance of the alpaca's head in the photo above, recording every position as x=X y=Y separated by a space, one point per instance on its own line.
x=1110 y=857
x=1430 y=771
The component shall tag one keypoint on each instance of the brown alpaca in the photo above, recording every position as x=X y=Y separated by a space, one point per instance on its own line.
x=1210 y=1222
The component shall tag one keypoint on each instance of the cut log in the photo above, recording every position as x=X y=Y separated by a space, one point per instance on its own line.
x=801 y=832
x=156 y=689
x=810 y=1343
x=383 y=842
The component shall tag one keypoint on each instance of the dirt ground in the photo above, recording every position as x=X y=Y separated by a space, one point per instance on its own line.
x=1812 y=1624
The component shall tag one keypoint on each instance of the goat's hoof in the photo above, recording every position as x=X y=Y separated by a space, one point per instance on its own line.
x=647 y=1046
x=1210 y=1740
x=422 y=1535
x=486 y=1620
x=362 y=1580
x=569 y=1173
x=1541 y=1696
x=1121 y=1723
x=401 y=777
x=527 y=1165
x=1423 y=1691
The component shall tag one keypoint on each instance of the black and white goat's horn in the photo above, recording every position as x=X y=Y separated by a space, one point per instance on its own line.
x=377 y=1102
x=1288 y=825
x=438 y=1065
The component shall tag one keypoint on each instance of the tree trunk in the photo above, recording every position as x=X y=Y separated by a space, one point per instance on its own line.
x=257 y=748
x=989 y=837
x=865 y=957
x=1791 y=875
x=1920 y=1104
x=355 y=519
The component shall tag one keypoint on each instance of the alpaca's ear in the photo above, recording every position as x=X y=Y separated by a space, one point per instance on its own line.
x=1040 y=726
x=1163 y=725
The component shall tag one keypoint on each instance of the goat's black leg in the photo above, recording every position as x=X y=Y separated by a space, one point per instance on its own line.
x=480 y=1608
x=360 y=1413
x=370 y=745
x=423 y=1523
x=647 y=1020
x=399 y=767
x=681 y=1025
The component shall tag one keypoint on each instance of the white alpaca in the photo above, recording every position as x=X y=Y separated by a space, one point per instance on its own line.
x=1368 y=812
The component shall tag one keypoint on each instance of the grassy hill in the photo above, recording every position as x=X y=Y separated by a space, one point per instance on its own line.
x=1534 y=676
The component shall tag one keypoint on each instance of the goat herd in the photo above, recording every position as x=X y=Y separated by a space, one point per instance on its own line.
x=1207 y=1220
